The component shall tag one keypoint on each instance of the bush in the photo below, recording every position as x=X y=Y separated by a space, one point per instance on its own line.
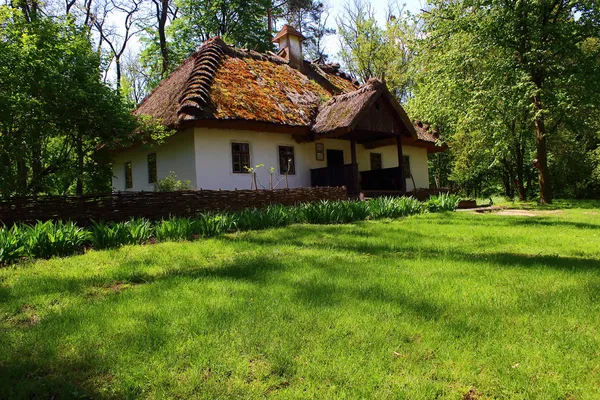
x=171 y=184
x=394 y=207
x=12 y=245
x=442 y=202
x=333 y=212
x=269 y=217
x=210 y=224
x=173 y=229
x=48 y=239
x=140 y=231
x=109 y=235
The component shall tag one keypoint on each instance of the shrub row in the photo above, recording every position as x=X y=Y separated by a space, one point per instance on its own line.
x=48 y=239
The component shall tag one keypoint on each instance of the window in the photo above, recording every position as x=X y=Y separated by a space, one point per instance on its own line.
x=407 y=167
x=152 y=168
x=286 y=160
x=240 y=157
x=128 y=175
x=376 y=161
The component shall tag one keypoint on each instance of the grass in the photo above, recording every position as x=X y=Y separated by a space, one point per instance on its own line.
x=22 y=242
x=446 y=305
x=557 y=204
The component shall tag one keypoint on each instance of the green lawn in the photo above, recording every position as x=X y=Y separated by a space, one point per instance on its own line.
x=432 y=306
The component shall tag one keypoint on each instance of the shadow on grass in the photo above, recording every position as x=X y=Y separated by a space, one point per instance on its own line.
x=420 y=246
x=34 y=366
x=41 y=374
x=559 y=205
x=35 y=369
x=492 y=220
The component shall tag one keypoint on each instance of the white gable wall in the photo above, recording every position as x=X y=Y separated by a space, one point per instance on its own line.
x=203 y=156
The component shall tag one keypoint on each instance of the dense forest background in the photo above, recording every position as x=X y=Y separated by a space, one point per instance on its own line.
x=513 y=87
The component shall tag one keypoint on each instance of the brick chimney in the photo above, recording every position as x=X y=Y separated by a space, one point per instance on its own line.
x=289 y=41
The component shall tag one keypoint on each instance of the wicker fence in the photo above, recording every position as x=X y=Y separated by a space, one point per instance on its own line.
x=151 y=205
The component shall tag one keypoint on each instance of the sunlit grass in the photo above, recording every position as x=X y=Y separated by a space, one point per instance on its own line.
x=432 y=306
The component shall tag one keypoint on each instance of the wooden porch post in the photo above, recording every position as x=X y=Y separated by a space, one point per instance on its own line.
x=401 y=164
x=354 y=164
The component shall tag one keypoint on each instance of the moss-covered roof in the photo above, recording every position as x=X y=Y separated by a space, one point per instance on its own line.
x=222 y=83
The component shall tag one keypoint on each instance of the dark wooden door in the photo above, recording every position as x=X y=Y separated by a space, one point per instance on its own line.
x=335 y=158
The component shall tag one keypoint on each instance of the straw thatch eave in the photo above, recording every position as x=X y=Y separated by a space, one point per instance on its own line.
x=342 y=113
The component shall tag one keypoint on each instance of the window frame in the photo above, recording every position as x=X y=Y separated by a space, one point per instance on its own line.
x=128 y=175
x=293 y=169
x=234 y=153
x=371 y=161
x=150 y=181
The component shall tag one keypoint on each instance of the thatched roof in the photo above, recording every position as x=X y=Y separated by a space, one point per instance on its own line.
x=346 y=110
x=425 y=133
x=224 y=83
x=221 y=83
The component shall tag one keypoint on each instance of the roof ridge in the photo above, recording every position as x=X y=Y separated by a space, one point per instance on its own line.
x=372 y=84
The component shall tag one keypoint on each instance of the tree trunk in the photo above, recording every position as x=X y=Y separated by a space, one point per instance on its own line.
x=80 y=164
x=21 y=175
x=162 y=37
x=118 y=72
x=542 y=154
x=269 y=20
x=519 y=181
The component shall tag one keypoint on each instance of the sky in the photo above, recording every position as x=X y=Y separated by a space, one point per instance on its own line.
x=332 y=43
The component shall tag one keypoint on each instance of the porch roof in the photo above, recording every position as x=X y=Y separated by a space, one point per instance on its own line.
x=343 y=113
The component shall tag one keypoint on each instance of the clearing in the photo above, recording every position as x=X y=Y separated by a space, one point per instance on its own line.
x=446 y=305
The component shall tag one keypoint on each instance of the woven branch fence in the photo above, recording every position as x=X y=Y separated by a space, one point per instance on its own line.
x=153 y=205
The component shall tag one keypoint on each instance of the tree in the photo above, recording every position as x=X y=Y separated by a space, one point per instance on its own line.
x=54 y=109
x=313 y=25
x=529 y=67
x=118 y=39
x=370 y=51
x=239 y=22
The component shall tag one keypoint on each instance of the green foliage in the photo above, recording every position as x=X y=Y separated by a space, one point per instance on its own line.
x=55 y=109
x=140 y=230
x=370 y=51
x=48 y=239
x=442 y=202
x=394 y=207
x=436 y=306
x=42 y=240
x=331 y=212
x=170 y=183
x=262 y=218
x=505 y=82
x=109 y=235
x=173 y=229
x=213 y=224
x=12 y=244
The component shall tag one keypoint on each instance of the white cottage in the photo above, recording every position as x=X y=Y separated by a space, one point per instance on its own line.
x=233 y=109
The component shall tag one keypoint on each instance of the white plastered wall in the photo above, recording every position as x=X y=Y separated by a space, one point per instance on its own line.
x=203 y=156
x=175 y=154
x=214 y=165
x=417 y=157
